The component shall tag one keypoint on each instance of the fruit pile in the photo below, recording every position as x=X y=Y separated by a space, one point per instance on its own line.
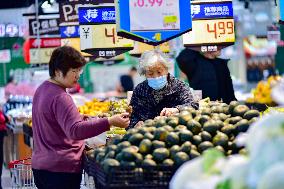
x=174 y=140
x=104 y=109
x=94 y=107
x=262 y=92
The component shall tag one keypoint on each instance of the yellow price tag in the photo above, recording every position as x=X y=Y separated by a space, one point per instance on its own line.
x=170 y=19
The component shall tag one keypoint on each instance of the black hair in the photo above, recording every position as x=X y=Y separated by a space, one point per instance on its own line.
x=65 y=58
x=133 y=68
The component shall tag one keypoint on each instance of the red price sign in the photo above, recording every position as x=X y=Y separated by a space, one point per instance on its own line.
x=111 y=32
x=220 y=28
x=147 y=3
x=210 y=32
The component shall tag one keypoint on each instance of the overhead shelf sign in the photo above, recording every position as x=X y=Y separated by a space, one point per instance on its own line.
x=98 y=33
x=153 y=21
x=212 y=26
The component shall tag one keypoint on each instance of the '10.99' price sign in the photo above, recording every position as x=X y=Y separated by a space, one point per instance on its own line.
x=161 y=15
x=153 y=21
x=212 y=26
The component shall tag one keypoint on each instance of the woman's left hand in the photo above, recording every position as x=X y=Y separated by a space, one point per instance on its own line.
x=169 y=111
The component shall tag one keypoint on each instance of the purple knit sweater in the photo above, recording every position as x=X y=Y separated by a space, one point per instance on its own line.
x=59 y=130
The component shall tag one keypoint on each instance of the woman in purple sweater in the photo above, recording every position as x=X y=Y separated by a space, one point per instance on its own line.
x=58 y=128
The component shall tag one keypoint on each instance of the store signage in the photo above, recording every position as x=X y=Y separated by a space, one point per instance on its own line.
x=212 y=26
x=5 y=56
x=44 y=27
x=40 y=55
x=12 y=30
x=97 y=15
x=75 y=43
x=45 y=42
x=69 y=10
x=69 y=31
x=98 y=33
x=216 y=10
x=153 y=21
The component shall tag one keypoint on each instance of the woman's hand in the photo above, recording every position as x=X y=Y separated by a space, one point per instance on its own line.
x=120 y=120
x=169 y=111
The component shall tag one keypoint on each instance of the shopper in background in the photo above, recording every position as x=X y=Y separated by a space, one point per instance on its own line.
x=11 y=87
x=161 y=93
x=126 y=82
x=208 y=73
x=3 y=120
x=58 y=128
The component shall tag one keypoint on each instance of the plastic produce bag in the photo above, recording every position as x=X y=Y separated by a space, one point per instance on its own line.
x=96 y=141
x=265 y=141
x=200 y=173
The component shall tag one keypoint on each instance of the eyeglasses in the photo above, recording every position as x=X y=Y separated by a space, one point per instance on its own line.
x=77 y=71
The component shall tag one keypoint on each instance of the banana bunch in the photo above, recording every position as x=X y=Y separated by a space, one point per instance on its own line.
x=262 y=92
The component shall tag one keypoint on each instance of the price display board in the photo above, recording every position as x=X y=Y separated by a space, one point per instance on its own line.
x=153 y=21
x=212 y=26
x=98 y=33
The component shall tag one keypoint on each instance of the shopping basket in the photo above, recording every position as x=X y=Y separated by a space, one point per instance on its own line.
x=22 y=175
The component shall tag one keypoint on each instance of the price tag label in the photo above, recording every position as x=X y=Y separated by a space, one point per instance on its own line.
x=164 y=14
x=212 y=26
x=213 y=31
x=98 y=33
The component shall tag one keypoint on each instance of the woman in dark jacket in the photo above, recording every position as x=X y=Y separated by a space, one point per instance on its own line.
x=160 y=94
x=207 y=73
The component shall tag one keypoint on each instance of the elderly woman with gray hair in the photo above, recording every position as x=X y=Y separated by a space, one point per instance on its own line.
x=160 y=94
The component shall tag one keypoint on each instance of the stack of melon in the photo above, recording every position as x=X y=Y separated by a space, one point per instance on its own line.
x=171 y=141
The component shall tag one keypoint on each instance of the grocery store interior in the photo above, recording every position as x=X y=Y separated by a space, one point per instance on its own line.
x=179 y=94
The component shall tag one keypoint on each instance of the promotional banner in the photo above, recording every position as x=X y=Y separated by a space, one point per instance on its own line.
x=12 y=30
x=98 y=32
x=44 y=42
x=212 y=26
x=153 y=21
x=45 y=27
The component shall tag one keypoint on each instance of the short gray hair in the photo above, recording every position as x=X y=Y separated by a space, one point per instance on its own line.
x=152 y=57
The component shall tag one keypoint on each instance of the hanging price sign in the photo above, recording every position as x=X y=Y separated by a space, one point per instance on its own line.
x=153 y=21
x=212 y=26
x=98 y=33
